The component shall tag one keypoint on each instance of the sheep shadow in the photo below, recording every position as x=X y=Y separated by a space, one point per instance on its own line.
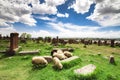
x=38 y=67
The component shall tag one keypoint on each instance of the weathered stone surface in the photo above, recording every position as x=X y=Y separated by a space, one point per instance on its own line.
x=28 y=52
x=69 y=59
x=112 y=43
x=88 y=69
x=112 y=60
x=13 y=44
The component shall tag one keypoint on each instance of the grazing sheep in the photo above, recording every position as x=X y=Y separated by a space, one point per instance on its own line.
x=68 y=54
x=59 y=56
x=53 y=51
x=57 y=63
x=38 y=60
x=59 y=51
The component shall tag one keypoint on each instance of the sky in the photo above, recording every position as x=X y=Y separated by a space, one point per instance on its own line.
x=63 y=18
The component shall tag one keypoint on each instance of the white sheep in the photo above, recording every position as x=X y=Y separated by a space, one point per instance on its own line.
x=68 y=54
x=59 y=51
x=59 y=56
x=38 y=60
x=57 y=63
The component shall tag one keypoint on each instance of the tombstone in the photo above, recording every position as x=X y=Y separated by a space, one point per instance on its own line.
x=54 y=42
x=112 y=61
x=82 y=40
x=57 y=39
x=105 y=42
x=0 y=36
x=85 y=70
x=112 y=43
x=13 y=43
x=99 y=42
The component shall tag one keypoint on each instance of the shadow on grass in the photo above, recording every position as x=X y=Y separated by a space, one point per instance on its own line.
x=38 y=67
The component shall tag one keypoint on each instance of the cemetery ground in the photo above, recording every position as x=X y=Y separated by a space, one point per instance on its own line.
x=19 y=67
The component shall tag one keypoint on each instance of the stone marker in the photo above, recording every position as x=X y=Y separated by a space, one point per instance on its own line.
x=112 y=43
x=70 y=59
x=13 y=43
x=88 y=69
x=28 y=52
x=99 y=42
x=0 y=36
x=112 y=61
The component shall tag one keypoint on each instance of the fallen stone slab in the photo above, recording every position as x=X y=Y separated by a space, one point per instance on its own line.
x=28 y=52
x=3 y=51
x=70 y=62
x=88 y=69
x=70 y=59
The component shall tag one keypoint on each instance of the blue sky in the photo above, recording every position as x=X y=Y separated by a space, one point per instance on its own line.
x=63 y=18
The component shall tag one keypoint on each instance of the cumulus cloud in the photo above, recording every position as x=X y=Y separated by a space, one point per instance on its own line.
x=7 y=30
x=81 y=6
x=12 y=11
x=47 y=18
x=68 y=30
x=48 y=7
x=63 y=15
x=106 y=13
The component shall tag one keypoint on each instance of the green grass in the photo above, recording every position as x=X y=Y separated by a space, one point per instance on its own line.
x=20 y=67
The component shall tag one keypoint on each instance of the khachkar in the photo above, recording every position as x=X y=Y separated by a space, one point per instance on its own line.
x=112 y=43
x=13 y=43
x=0 y=36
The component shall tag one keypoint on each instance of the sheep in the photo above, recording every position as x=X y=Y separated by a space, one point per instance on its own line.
x=57 y=63
x=59 y=51
x=59 y=56
x=68 y=54
x=38 y=60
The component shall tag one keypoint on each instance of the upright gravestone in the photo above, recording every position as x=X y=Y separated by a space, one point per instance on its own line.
x=13 y=43
x=99 y=42
x=105 y=42
x=0 y=36
x=112 y=43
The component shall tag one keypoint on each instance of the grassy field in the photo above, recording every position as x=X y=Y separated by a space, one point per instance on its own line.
x=20 y=67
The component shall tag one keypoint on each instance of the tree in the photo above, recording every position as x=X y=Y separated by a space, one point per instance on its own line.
x=25 y=36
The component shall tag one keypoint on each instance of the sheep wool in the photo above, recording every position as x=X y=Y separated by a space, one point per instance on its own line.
x=39 y=60
x=57 y=63
x=60 y=56
x=59 y=51
x=68 y=54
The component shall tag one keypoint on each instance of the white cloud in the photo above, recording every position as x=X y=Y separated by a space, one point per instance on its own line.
x=54 y=2
x=81 y=6
x=7 y=30
x=48 y=7
x=46 y=18
x=41 y=33
x=12 y=11
x=106 y=13
x=63 y=15
x=68 y=30
x=44 y=9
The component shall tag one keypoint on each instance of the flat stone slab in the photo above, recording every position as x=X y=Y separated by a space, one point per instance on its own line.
x=88 y=69
x=3 y=51
x=28 y=52
x=70 y=59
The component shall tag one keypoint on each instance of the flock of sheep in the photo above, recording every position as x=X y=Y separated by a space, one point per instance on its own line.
x=56 y=57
